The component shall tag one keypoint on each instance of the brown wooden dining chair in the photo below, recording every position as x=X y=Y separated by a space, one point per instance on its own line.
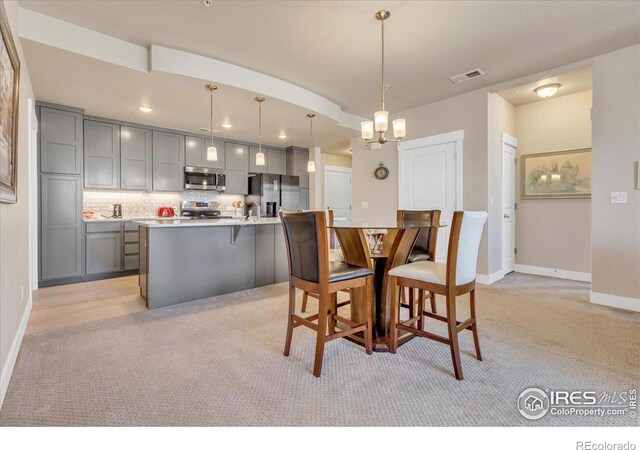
x=310 y=270
x=456 y=277
x=423 y=250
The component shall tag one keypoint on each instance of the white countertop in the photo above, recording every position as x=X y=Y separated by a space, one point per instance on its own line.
x=205 y=222
x=148 y=218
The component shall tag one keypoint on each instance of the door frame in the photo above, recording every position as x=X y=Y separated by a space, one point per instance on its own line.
x=443 y=138
x=511 y=142
x=328 y=168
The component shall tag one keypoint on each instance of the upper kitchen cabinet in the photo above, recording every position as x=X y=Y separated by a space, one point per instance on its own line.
x=276 y=161
x=60 y=141
x=101 y=155
x=237 y=168
x=297 y=159
x=196 y=153
x=168 y=161
x=135 y=158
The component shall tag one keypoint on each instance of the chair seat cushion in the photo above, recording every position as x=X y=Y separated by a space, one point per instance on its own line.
x=335 y=255
x=427 y=271
x=419 y=255
x=341 y=271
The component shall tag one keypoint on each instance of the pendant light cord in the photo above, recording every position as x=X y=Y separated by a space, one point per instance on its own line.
x=212 y=117
x=260 y=127
x=382 y=25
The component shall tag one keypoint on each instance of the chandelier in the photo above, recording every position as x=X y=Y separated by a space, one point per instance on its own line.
x=381 y=118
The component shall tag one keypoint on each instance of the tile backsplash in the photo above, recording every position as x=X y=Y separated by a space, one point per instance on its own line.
x=146 y=204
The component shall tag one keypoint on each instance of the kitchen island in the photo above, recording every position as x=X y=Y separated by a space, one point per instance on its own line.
x=185 y=260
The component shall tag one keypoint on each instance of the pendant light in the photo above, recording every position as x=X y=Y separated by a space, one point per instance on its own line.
x=212 y=151
x=381 y=118
x=311 y=165
x=260 y=159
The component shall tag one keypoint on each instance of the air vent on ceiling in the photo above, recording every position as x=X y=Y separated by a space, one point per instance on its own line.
x=467 y=76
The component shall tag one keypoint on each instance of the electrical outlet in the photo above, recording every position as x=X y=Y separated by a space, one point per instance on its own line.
x=22 y=294
x=618 y=197
x=364 y=204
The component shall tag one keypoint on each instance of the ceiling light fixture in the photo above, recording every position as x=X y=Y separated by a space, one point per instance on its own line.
x=548 y=90
x=146 y=109
x=226 y=125
x=212 y=151
x=311 y=165
x=260 y=160
x=381 y=118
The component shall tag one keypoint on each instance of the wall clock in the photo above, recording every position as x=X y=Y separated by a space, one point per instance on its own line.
x=381 y=172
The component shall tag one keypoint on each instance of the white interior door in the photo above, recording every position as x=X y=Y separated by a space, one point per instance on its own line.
x=430 y=177
x=509 y=145
x=337 y=192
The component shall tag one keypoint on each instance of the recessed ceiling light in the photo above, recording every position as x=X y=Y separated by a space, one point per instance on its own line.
x=282 y=136
x=145 y=108
x=226 y=125
x=548 y=90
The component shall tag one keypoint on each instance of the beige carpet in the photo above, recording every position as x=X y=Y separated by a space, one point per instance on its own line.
x=219 y=362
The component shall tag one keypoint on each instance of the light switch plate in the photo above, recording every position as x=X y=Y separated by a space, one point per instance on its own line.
x=364 y=204
x=618 y=197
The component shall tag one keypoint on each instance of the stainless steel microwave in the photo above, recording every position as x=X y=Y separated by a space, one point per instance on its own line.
x=204 y=178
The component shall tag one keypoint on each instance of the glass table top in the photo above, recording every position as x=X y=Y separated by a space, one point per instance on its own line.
x=385 y=224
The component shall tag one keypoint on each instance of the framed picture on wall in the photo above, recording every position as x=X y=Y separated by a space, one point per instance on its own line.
x=563 y=174
x=9 y=90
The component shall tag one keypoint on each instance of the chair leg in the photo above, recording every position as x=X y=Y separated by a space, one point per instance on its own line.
x=305 y=297
x=434 y=307
x=453 y=334
x=333 y=300
x=369 y=299
x=421 y=309
x=395 y=306
x=412 y=305
x=474 y=329
x=292 y=310
x=322 y=326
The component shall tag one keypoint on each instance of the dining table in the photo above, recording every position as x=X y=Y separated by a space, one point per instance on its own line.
x=357 y=242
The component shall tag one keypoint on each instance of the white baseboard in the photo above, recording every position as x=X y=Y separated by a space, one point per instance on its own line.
x=489 y=279
x=7 y=370
x=615 y=301
x=555 y=273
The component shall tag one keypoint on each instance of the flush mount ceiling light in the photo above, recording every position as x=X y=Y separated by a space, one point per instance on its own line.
x=311 y=165
x=260 y=160
x=226 y=125
x=212 y=151
x=146 y=109
x=548 y=90
x=381 y=118
x=282 y=135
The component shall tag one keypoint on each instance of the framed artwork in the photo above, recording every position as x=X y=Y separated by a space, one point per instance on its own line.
x=564 y=174
x=9 y=90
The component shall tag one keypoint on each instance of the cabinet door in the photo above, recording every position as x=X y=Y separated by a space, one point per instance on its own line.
x=301 y=160
x=304 y=198
x=61 y=226
x=281 y=263
x=104 y=252
x=101 y=155
x=194 y=152
x=265 y=251
x=237 y=182
x=135 y=158
x=276 y=161
x=237 y=157
x=168 y=161
x=253 y=167
x=60 y=141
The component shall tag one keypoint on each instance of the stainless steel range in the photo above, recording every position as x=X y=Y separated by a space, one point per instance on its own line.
x=201 y=210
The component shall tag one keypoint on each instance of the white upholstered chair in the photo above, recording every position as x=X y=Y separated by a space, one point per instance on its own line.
x=456 y=277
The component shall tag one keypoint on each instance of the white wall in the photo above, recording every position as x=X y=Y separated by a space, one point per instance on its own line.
x=553 y=233
x=615 y=233
x=14 y=234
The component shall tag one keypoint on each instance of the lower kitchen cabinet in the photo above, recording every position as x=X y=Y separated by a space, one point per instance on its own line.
x=265 y=251
x=281 y=262
x=104 y=252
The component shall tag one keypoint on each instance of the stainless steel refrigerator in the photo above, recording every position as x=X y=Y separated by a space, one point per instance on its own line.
x=269 y=192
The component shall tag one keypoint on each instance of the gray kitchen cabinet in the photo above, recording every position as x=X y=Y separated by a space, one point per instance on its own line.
x=101 y=155
x=265 y=251
x=281 y=263
x=253 y=167
x=61 y=226
x=61 y=139
x=104 y=252
x=304 y=198
x=196 y=153
x=168 y=161
x=135 y=158
x=276 y=161
x=237 y=182
x=237 y=156
x=297 y=159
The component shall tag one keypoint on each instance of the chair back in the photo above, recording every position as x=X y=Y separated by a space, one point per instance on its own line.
x=305 y=234
x=427 y=238
x=464 y=246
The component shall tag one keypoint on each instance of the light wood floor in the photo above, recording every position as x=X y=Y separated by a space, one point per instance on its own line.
x=73 y=304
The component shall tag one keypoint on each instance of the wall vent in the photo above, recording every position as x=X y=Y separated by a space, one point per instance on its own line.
x=467 y=76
